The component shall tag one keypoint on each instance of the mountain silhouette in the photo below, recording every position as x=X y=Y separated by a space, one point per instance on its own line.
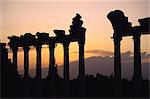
x=104 y=65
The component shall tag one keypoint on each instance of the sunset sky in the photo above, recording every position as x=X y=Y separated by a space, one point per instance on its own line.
x=21 y=16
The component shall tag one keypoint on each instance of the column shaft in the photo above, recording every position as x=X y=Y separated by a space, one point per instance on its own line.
x=66 y=61
x=117 y=68
x=38 y=62
x=51 y=74
x=81 y=60
x=137 y=58
x=117 y=61
x=81 y=70
x=15 y=59
x=26 y=62
x=51 y=57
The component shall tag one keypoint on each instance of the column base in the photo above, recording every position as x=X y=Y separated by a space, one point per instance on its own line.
x=26 y=76
x=134 y=78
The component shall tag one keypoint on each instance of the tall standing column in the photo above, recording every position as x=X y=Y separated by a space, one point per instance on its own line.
x=81 y=60
x=51 y=73
x=26 y=61
x=38 y=62
x=66 y=60
x=137 y=77
x=15 y=49
x=38 y=70
x=51 y=57
x=137 y=57
x=117 y=59
x=66 y=69
x=117 y=64
x=81 y=69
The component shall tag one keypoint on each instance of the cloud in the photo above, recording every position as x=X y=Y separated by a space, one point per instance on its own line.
x=99 y=52
x=105 y=65
x=145 y=55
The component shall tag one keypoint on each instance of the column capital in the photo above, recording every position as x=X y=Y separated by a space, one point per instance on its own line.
x=52 y=45
x=81 y=42
x=26 y=48
x=117 y=39
x=14 y=48
x=66 y=44
x=136 y=36
x=137 y=32
x=38 y=46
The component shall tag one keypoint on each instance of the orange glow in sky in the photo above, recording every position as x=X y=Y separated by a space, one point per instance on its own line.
x=19 y=16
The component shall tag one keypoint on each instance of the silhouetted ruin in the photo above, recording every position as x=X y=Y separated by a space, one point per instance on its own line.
x=123 y=28
x=23 y=86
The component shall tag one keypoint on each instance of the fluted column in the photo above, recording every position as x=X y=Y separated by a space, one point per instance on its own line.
x=15 y=50
x=66 y=60
x=38 y=61
x=137 y=57
x=26 y=61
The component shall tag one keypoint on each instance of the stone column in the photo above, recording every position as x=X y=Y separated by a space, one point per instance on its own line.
x=26 y=61
x=81 y=69
x=117 y=65
x=81 y=60
x=66 y=69
x=137 y=76
x=51 y=73
x=38 y=61
x=137 y=57
x=38 y=71
x=14 y=50
x=117 y=58
x=66 y=60
x=51 y=57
